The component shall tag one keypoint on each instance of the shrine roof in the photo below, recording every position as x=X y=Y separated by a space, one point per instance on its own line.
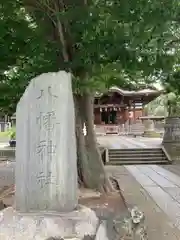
x=142 y=92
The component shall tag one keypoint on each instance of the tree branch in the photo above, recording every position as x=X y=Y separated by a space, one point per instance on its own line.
x=173 y=41
x=61 y=35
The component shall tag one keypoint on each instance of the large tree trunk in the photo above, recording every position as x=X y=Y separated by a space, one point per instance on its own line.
x=81 y=147
x=90 y=166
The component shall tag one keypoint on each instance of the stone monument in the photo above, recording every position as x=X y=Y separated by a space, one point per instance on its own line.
x=46 y=199
x=46 y=146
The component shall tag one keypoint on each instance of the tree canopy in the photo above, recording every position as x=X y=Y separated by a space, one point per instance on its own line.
x=165 y=105
x=101 y=42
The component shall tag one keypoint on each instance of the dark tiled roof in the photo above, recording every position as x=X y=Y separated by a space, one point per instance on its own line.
x=142 y=92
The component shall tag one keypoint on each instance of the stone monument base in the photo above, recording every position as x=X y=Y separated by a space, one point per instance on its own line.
x=44 y=226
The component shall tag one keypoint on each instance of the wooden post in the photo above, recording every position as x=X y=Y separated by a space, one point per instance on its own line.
x=134 y=110
x=142 y=109
x=145 y=113
x=129 y=119
x=143 y=105
x=100 y=115
x=107 y=155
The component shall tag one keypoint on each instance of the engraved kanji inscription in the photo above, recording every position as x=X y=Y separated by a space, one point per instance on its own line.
x=50 y=92
x=41 y=94
x=41 y=147
x=49 y=120
x=46 y=147
x=44 y=180
x=46 y=120
x=51 y=148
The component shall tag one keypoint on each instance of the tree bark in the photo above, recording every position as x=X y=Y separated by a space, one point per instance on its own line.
x=90 y=166
x=81 y=148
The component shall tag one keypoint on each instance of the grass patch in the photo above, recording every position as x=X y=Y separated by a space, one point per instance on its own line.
x=4 y=134
x=11 y=133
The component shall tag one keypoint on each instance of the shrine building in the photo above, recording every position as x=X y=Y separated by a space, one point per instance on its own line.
x=117 y=106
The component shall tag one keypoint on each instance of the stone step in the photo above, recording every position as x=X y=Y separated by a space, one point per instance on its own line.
x=136 y=154
x=130 y=158
x=136 y=150
x=7 y=152
x=3 y=159
x=136 y=158
x=137 y=162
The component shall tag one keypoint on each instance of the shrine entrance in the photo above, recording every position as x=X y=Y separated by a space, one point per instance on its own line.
x=109 y=117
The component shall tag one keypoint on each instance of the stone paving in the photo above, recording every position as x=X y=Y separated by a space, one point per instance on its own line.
x=124 y=142
x=174 y=168
x=163 y=186
x=4 y=145
x=156 y=192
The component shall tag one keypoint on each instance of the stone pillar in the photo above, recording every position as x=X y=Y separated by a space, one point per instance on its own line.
x=148 y=127
x=46 y=167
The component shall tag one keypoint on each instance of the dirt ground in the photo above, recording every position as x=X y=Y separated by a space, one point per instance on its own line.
x=108 y=208
x=7 y=196
x=111 y=203
x=104 y=205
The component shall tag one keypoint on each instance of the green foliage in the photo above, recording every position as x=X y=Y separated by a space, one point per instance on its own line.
x=173 y=104
x=158 y=107
x=172 y=83
x=12 y=133
x=106 y=43
x=165 y=105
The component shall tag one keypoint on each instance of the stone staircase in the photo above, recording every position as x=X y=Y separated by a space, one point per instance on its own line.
x=7 y=154
x=137 y=156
